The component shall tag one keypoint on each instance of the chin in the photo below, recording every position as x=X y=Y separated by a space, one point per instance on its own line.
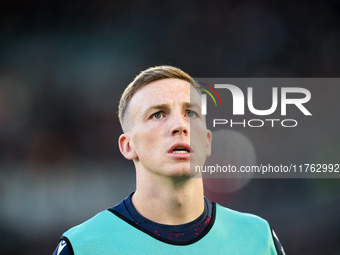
x=180 y=178
x=181 y=173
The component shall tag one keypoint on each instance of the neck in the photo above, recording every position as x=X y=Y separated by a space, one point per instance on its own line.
x=170 y=201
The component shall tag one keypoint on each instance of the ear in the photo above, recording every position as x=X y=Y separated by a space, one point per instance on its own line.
x=126 y=147
x=209 y=137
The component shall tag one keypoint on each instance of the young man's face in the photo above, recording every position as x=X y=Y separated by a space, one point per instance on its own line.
x=167 y=130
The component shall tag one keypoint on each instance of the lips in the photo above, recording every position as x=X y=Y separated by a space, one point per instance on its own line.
x=180 y=148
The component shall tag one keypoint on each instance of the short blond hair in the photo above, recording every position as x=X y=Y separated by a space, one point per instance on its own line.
x=145 y=77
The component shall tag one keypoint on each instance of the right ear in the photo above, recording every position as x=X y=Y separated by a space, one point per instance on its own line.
x=126 y=147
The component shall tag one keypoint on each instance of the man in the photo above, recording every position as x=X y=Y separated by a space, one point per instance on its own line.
x=164 y=134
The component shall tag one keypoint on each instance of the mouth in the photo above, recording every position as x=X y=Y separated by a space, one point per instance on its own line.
x=180 y=149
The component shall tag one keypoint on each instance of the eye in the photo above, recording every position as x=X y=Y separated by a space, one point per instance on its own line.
x=157 y=115
x=191 y=114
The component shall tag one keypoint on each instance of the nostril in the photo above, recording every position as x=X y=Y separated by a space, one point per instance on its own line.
x=180 y=131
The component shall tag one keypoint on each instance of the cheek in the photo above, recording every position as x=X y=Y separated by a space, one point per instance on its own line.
x=145 y=143
x=199 y=137
x=198 y=131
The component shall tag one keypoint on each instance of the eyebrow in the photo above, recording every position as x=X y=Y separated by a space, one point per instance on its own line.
x=191 y=105
x=166 y=106
x=146 y=111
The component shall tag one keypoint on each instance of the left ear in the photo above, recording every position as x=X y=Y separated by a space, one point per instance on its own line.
x=209 y=137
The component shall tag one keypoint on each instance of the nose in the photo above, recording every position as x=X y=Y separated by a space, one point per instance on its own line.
x=180 y=125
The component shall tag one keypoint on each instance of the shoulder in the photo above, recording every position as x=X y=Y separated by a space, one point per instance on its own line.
x=242 y=225
x=92 y=234
x=94 y=225
x=246 y=225
x=239 y=217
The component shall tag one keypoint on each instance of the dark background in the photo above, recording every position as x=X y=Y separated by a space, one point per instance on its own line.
x=64 y=64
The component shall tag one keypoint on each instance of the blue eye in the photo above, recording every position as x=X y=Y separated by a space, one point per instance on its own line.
x=157 y=115
x=191 y=114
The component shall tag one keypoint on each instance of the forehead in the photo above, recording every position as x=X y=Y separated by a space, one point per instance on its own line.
x=166 y=91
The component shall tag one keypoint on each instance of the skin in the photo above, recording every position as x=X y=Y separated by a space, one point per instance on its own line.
x=163 y=116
